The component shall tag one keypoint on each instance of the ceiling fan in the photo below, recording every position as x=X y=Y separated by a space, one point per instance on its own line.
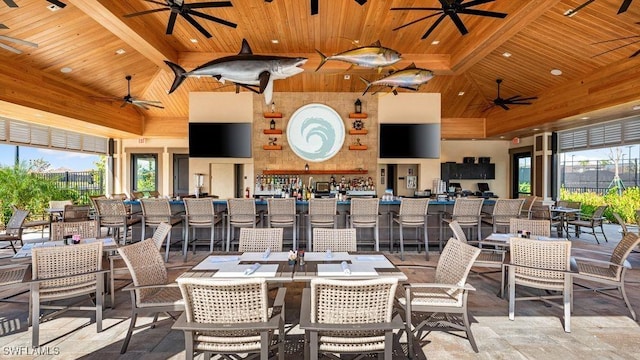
x=12 y=3
x=178 y=7
x=451 y=8
x=314 y=5
x=128 y=99
x=514 y=100
x=15 y=41
x=572 y=12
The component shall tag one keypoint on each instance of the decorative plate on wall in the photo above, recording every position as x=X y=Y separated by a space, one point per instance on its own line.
x=315 y=132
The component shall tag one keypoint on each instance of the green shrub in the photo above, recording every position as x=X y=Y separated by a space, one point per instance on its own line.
x=624 y=204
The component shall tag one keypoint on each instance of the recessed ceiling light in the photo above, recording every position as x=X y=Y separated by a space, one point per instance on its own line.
x=347 y=77
x=435 y=42
x=636 y=108
x=536 y=129
x=120 y=51
x=193 y=40
x=501 y=137
x=556 y=72
x=53 y=7
x=461 y=93
x=584 y=118
x=66 y=70
x=506 y=54
x=275 y=41
x=356 y=41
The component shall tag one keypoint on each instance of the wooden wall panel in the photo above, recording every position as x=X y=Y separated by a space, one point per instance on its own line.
x=462 y=128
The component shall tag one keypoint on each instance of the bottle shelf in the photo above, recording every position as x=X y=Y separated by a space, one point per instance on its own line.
x=272 y=147
x=358 y=132
x=357 y=147
x=357 y=116
x=272 y=131
x=316 y=172
x=272 y=115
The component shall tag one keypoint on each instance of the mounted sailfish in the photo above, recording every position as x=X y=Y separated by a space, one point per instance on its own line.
x=252 y=72
x=372 y=56
x=409 y=78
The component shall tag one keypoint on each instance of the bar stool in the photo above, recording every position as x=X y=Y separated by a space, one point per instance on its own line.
x=413 y=214
x=240 y=213
x=281 y=213
x=155 y=212
x=199 y=213
x=364 y=214
x=468 y=214
x=113 y=214
x=322 y=213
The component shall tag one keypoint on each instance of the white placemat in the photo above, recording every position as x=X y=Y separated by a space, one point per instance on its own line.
x=500 y=237
x=322 y=256
x=260 y=256
x=357 y=269
x=237 y=271
x=216 y=262
x=375 y=261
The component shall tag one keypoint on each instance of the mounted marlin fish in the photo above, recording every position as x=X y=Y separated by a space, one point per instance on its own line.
x=372 y=56
x=245 y=70
x=409 y=78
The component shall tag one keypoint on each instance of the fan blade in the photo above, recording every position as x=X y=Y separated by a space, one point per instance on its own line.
x=3 y=26
x=426 y=34
x=57 y=3
x=154 y=103
x=459 y=24
x=140 y=105
x=11 y=3
x=504 y=106
x=361 y=2
x=314 y=7
x=195 y=24
x=145 y=12
x=157 y=3
x=493 y=14
x=215 y=4
x=635 y=54
x=519 y=103
x=621 y=38
x=512 y=98
x=18 y=41
x=625 y=6
x=213 y=18
x=475 y=3
x=527 y=98
x=172 y=23
x=124 y=103
x=616 y=48
x=416 y=8
x=10 y=48
x=418 y=20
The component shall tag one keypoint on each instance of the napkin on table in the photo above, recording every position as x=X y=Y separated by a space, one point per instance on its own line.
x=345 y=268
x=217 y=259
x=252 y=269
x=266 y=253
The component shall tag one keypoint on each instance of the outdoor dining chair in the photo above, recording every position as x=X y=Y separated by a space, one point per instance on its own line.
x=334 y=239
x=86 y=229
x=593 y=222
x=282 y=213
x=199 y=214
x=364 y=214
x=503 y=211
x=13 y=229
x=259 y=240
x=323 y=213
x=412 y=214
x=467 y=212
x=241 y=213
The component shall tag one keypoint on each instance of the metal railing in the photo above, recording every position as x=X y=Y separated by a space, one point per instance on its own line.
x=86 y=183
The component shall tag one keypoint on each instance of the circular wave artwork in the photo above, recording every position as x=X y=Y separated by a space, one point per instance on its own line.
x=315 y=132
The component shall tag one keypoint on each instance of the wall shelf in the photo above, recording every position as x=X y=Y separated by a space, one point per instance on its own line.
x=357 y=116
x=357 y=147
x=316 y=172
x=272 y=147
x=272 y=131
x=272 y=115
x=358 y=132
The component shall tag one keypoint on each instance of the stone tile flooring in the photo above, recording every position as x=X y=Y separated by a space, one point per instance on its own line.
x=601 y=326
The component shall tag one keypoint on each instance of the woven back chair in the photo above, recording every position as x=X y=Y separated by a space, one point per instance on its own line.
x=612 y=272
x=334 y=240
x=200 y=213
x=446 y=295
x=540 y=211
x=13 y=229
x=154 y=212
x=593 y=222
x=240 y=213
x=535 y=227
x=349 y=316
x=63 y=272
x=12 y=276
x=58 y=205
x=151 y=292
x=259 y=240
x=322 y=214
x=76 y=213
x=119 y=196
x=624 y=227
x=154 y=194
x=364 y=214
x=503 y=211
x=467 y=212
x=137 y=195
x=113 y=214
x=541 y=264
x=282 y=213
x=413 y=214
x=525 y=213
x=86 y=229
x=213 y=323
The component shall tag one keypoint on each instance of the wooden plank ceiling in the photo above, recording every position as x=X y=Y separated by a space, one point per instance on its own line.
x=86 y=34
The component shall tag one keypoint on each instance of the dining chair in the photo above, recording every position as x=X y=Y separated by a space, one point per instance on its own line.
x=240 y=213
x=86 y=229
x=611 y=272
x=412 y=214
x=525 y=212
x=64 y=272
x=540 y=211
x=282 y=213
x=364 y=214
x=541 y=264
x=151 y=292
x=137 y=195
x=503 y=211
x=467 y=212
x=55 y=206
x=13 y=229
x=445 y=299
x=349 y=317
x=157 y=211
x=624 y=227
x=113 y=214
x=336 y=240
x=534 y=227
x=12 y=276
x=199 y=213
x=593 y=222
x=75 y=213
x=213 y=323
x=259 y=240
x=322 y=213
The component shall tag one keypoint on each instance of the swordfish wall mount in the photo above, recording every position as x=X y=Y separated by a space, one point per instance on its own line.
x=247 y=70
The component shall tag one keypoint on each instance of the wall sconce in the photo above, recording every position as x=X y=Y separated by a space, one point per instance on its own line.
x=358 y=105
x=306 y=167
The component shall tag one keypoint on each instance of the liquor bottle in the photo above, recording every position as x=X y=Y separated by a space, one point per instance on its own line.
x=272 y=124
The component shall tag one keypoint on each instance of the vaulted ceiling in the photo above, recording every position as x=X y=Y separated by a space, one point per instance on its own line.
x=599 y=79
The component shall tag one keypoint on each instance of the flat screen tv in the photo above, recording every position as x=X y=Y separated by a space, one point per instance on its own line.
x=410 y=141
x=229 y=140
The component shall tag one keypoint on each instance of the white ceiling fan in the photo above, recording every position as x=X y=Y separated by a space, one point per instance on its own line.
x=15 y=41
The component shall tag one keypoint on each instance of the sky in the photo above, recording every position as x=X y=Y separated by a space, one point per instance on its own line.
x=602 y=154
x=75 y=161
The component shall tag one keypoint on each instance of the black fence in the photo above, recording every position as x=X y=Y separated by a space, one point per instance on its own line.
x=598 y=175
x=86 y=183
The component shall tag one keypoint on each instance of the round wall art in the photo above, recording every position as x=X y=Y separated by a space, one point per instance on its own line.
x=315 y=132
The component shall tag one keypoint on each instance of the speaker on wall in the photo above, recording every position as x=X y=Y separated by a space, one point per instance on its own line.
x=112 y=146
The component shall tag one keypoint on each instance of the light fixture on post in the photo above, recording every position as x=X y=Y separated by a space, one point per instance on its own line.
x=358 y=105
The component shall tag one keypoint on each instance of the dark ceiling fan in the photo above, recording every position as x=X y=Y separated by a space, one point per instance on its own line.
x=128 y=99
x=12 y=3
x=572 y=12
x=15 y=41
x=452 y=9
x=314 y=5
x=514 y=100
x=178 y=7
x=636 y=53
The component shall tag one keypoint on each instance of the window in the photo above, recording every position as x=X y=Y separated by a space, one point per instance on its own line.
x=144 y=170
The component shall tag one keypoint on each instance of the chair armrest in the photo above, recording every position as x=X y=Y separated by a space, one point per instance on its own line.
x=97 y=272
x=440 y=286
x=131 y=287
x=183 y=324
x=571 y=271
x=600 y=262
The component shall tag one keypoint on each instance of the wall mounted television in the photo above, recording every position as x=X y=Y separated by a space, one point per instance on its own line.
x=229 y=140
x=409 y=141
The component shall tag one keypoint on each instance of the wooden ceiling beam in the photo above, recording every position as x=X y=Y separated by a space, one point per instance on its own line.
x=109 y=14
